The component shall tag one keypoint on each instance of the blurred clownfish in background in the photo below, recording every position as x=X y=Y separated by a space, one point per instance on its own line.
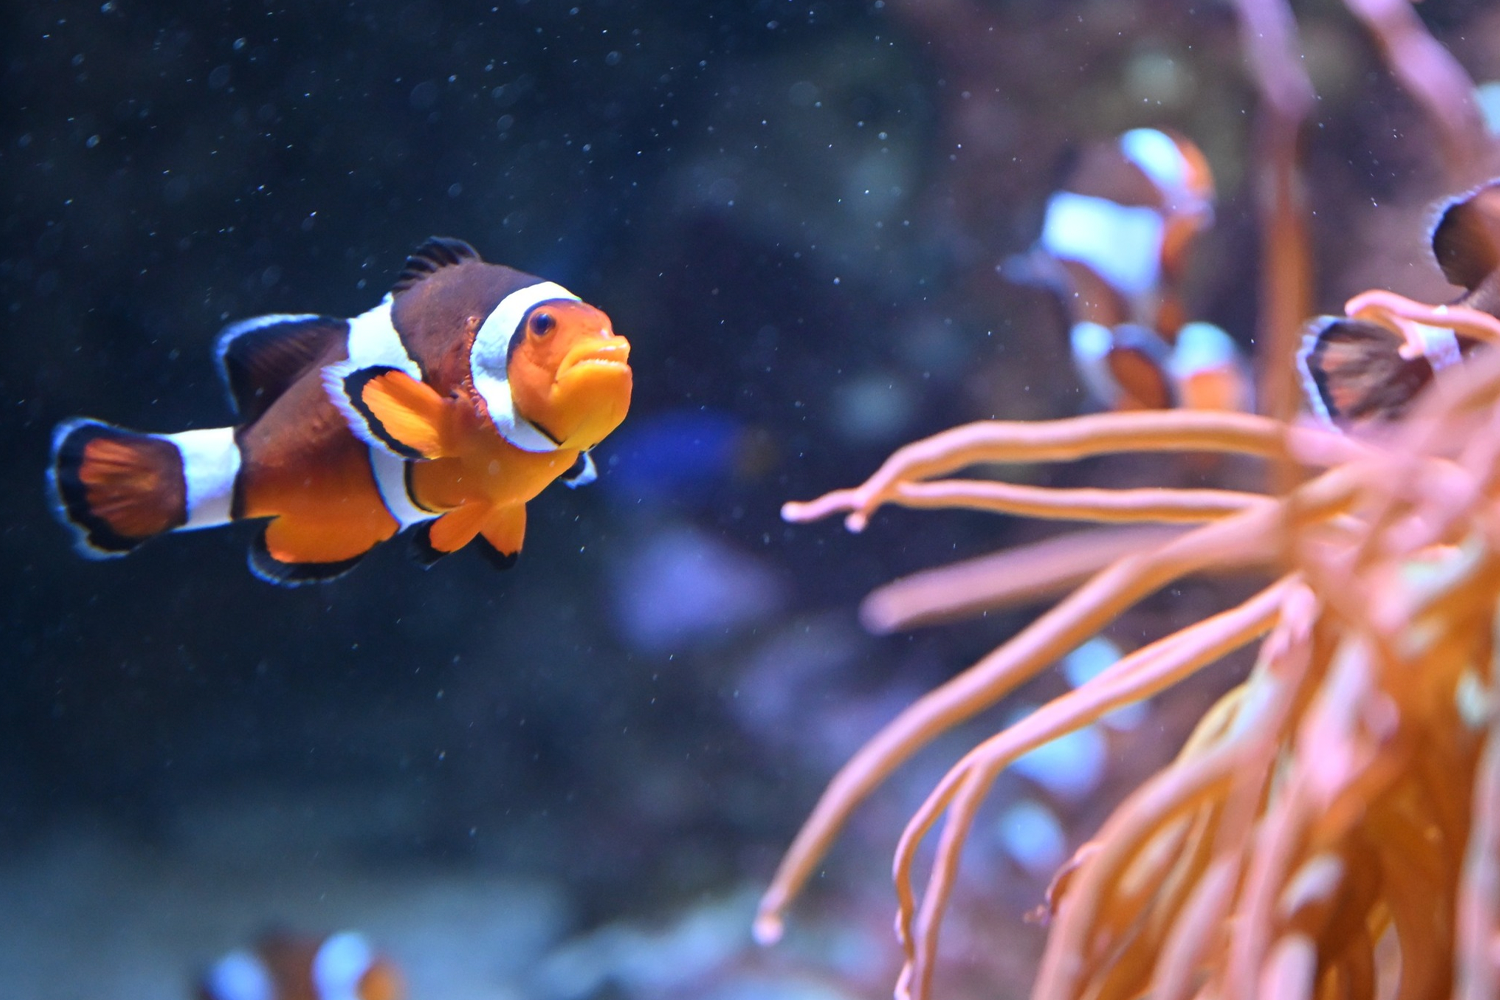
x=1115 y=248
x=342 y=966
x=444 y=409
x=1370 y=364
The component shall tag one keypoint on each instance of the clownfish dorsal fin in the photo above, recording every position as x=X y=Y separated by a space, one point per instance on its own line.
x=1466 y=239
x=389 y=409
x=432 y=256
x=260 y=357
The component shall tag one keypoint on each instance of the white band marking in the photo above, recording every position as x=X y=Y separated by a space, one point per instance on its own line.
x=373 y=340
x=1439 y=346
x=390 y=480
x=210 y=463
x=339 y=965
x=1122 y=243
x=240 y=975
x=488 y=363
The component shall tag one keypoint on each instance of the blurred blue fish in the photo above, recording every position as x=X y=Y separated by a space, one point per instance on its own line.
x=683 y=455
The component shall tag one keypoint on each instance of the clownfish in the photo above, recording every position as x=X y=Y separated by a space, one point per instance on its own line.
x=342 y=966
x=1372 y=362
x=444 y=409
x=1115 y=245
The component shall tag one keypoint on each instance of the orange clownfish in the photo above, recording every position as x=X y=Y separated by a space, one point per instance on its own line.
x=444 y=409
x=342 y=966
x=1115 y=247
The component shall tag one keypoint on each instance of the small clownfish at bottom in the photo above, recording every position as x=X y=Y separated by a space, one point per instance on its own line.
x=1131 y=368
x=342 y=966
x=444 y=409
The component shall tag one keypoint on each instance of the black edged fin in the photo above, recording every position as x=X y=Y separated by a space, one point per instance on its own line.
x=137 y=481
x=580 y=473
x=283 y=574
x=432 y=256
x=1353 y=371
x=260 y=357
x=425 y=555
x=421 y=548
x=1466 y=238
x=494 y=556
x=354 y=392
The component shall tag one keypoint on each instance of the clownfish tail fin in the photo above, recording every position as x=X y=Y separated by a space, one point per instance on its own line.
x=117 y=488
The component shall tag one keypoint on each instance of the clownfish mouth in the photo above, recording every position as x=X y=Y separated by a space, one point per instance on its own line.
x=613 y=353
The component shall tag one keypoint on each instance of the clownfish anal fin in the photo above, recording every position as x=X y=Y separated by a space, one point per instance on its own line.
x=1466 y=239
x=1353 y=370
x=422 y=550
x=580 y=473
x=294 y=574
x=389 y=408
x=500 y=560
x=503 y=533
x=436 y=253
x=260 y=357
x=432 y=540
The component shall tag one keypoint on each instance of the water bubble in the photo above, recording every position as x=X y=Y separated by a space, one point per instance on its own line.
x=424 y=95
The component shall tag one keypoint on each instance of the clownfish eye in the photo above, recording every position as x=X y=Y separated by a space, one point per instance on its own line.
x=542 y=323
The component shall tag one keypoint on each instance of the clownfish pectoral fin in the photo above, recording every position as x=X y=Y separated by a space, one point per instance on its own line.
x=284 y=553
x=581 y=472
x=435 y=253
x=432 y=540
x=389 y=409
x=1353 y=370
x=503 y=533
x=259 y=358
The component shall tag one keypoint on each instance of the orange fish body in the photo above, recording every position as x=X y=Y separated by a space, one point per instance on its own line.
x=443 y=410
x=341 y=966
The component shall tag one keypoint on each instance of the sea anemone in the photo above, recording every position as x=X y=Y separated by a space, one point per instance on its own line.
x=1331 y=827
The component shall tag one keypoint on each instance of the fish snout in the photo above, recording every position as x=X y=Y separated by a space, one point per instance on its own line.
x=609 y=351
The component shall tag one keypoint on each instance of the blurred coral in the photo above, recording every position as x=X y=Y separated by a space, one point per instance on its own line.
x=1327 y=810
